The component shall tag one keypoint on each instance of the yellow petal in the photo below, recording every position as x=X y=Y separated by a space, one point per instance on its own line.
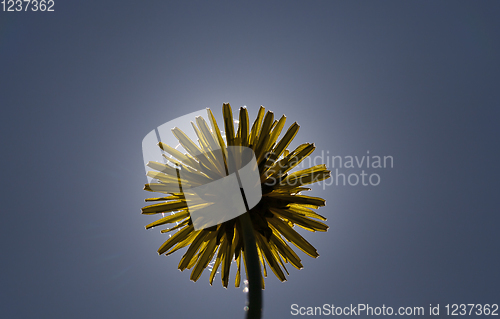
x=285 y=250
x=277 y=256
x=161 y=188
x=315 y=202
x=218 y=260
x=276 y=131
x=300 y=220
x=164 y=207
x=261 y=257
x=168 y=179
x=186 y=142
x=254 y=133
x=227 y=259
x=176 y=238
x=155 y=199
x=182 y=224
x=305 y=177
x=301 y=209
x=217 y=134
x=286 y=163
x=205 y=258
x=192 y=250
x=178 y=155
x=285 y=141
x=292 y=236
x=208 y=135
x=167 y=169
x=295 y=158
x=264 y=135
x=271 y=261
x=213 y=144
x=228 y=123
x=169 y=219
x=210 y=165
x=243 y=126
x=237 y=280
x=192 y=149
x=184 y=242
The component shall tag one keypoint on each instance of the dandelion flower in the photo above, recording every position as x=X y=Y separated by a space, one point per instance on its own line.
x=273 y=219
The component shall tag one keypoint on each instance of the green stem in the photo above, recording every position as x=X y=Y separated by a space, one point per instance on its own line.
x=253 y=268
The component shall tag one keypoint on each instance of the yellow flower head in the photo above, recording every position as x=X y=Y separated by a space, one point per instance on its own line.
x=281 y=207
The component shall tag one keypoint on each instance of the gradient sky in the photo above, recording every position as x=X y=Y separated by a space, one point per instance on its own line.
x=80 y=87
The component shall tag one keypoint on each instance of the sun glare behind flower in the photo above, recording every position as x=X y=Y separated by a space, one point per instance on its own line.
x=273 y=219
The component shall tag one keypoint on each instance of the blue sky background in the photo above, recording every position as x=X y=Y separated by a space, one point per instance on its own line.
x=80 y=87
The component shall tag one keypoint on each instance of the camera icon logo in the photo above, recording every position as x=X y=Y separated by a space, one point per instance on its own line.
x=212 y=196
